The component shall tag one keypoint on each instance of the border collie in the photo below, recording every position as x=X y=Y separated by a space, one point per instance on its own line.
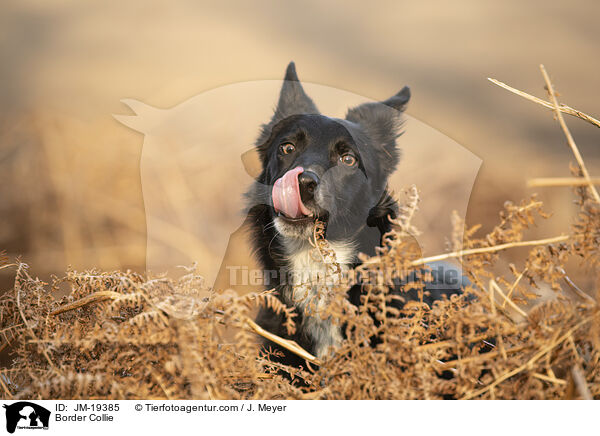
x=330 y=169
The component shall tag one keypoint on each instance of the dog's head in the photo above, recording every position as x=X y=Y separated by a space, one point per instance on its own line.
x=314 y=166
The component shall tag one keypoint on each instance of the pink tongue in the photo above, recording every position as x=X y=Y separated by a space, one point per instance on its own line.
x=286 y=195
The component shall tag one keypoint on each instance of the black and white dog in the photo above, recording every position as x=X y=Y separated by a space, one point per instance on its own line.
x=317 y=167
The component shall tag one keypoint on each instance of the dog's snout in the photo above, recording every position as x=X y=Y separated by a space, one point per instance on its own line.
x=308 y=182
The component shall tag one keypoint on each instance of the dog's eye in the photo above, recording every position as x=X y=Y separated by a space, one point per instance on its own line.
x=287 y=148
x=348 y=159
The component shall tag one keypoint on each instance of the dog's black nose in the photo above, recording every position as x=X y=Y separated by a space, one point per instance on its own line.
x=308 y=183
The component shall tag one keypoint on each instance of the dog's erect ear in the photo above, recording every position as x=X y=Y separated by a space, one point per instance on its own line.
x=399 y=100
x=292 y=99
x=383 y=122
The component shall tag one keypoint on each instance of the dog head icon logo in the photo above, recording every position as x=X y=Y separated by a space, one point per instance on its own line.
x=25 y=414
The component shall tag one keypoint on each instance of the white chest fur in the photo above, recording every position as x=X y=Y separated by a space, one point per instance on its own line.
x=310 y=290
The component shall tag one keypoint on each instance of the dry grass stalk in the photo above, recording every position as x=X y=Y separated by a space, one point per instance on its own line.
x=562 y=107
x=495 y=288
x=93 y=298
x=463 y=253
x=560 y=181
x=568 y=135
x=285 y=343
x=580 y=383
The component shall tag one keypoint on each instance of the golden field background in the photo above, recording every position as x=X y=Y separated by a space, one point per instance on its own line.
x=70 y=184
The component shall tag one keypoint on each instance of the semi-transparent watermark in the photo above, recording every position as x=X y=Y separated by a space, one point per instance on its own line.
x=198 y=160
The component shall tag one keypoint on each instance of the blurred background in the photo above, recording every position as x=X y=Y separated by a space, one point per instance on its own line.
x=70 y=183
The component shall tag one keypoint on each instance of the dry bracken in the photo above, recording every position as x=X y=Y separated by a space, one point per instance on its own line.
x=525 y=331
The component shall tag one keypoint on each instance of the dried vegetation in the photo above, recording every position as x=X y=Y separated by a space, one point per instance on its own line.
x=123 y=335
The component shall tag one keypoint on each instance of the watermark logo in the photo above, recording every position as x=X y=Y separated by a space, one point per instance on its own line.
x=26 y=415
x=438 y=275
x=198 y=161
